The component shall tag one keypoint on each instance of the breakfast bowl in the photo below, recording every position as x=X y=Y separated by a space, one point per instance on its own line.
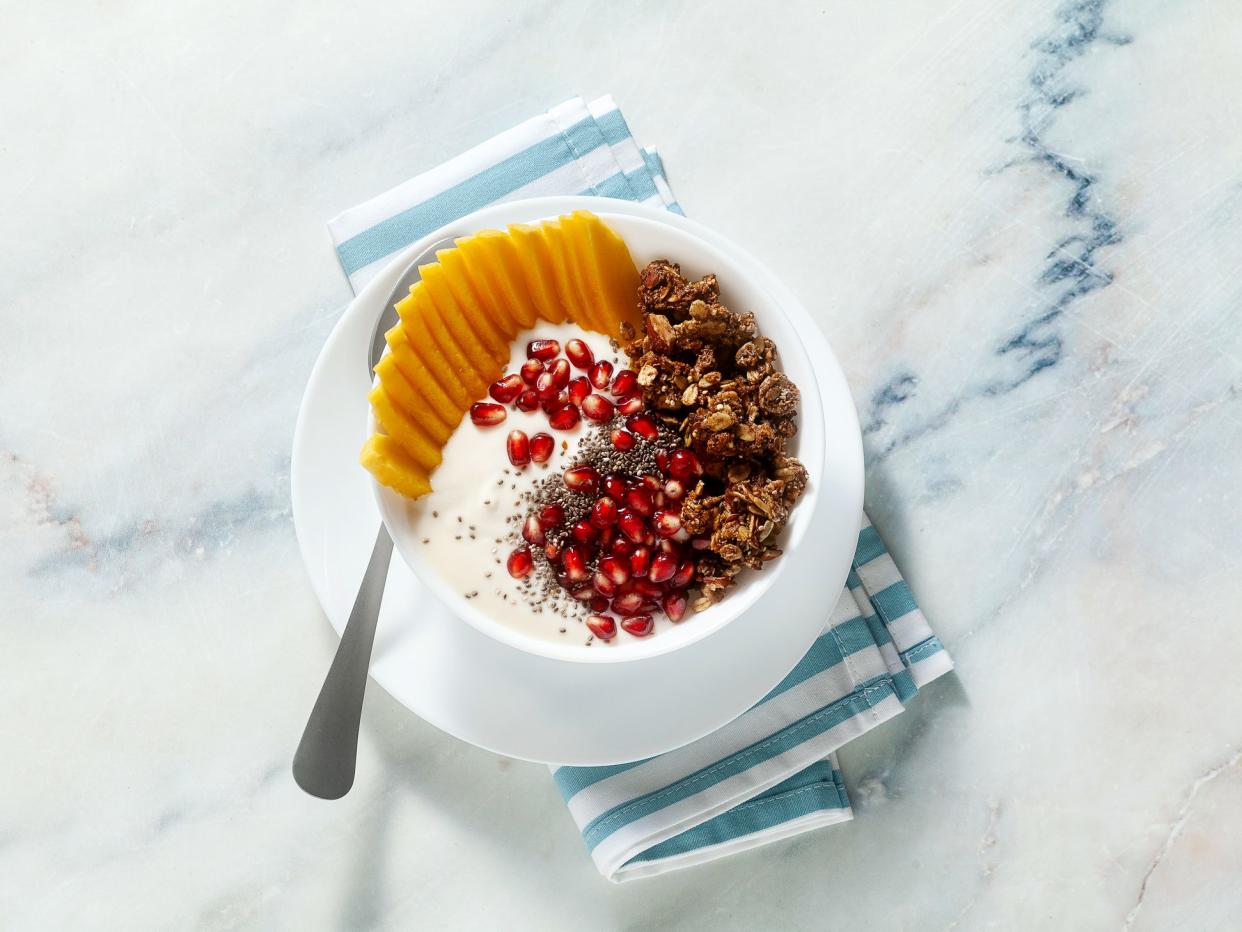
x=649 y=237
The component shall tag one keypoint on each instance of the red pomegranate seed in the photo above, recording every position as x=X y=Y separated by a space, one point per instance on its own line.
x=579 y=388
x=603 y=585
x=528 y=400
x=546 y=386
x=506 y=389
x=518 y=447
x=584 y=532
x=626 y=382
x=674 y=490
x=666 y=523
x=604 y=512
x=685 y=573
x=614 y=486
x=532 y=530
x=643 y=425
x=640 y=561
x=632 y=526
x=647 y=589
x=663 y=567
x=662 y=460
x=579 y=354
x=560 y=373
x=670 y=547
x=631 y=405
x=621 y=548
x=541 y=446
x=555 y=403
x=584 y=479
x=601 y=374
x=596 y=407
x=598 y=604
x=582 y=593
x=638 y=625
x=520 y=563
x=674 y=605
x=551 y=515
x=640 y=500
x=622 y=439
x=652 y=484
x=552 y=551
x=531 y=370
x=627 y=603
x=683 y=464
x=486 y=414
x=615 y=570
x=542 y=349
x=602 y=627
x=575 y=563
x=565 y=418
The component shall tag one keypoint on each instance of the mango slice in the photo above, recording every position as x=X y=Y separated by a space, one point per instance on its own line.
x=404 y=430
x=532 y=251
x=391 y=466
x=436 y=280
x=408 y=399
x=575 y=303
x=403 y=358
x=477 y=309
x=458 y=328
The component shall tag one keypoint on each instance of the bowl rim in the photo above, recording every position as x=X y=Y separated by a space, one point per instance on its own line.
x=757 y=584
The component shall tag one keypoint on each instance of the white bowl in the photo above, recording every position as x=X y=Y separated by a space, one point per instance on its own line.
x=649 y=238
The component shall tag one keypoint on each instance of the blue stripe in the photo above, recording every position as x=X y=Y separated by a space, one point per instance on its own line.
x=869 y=546
x=573 y=780
x=655 y=164
x=904 y=686
x=817 y=788
x=894 y=601
x=789 y=737
x=613 y=127
x=922 y=651
x=485 y=188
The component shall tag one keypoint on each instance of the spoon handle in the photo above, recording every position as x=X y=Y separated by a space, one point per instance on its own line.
x=324 y=763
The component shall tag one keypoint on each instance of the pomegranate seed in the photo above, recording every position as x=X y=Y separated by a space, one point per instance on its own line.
x=627 y=604
x=632 y=526
x=652 y=484
x=565 y=418
x=683 y=464
x=528 y=400
x=542 y=349
x=518 y=447
x=551 y=515
x=541 y=446
x=685 y=573
x=674 y=605
x=603 y=585
x=584 y=479
x=614 y=486
x=486 y=414
x=560 y=373
x=596 y=407
x=575 y=563
x=598 y=604
x=615 y=570
x=506 y=389
x=638 y=625
x=531 y=370
x=532 y=530
x=552 y=551
x=583 y=593
x=622 y=439
x=546 y=386
x=631 y=405
x=639 y=500
x=647 y=589
x=579 y=354
x=640 y=561
x=520 y=563
x=555 y=403
x=602 y=627
x=643 y=425
x=700 y=543
x=662 y=460
x=667 y=523
x=626 y=382
x=584 y=532
x=604 y=512
x=671 y=548
x=662 y=567
x=579 y=388
x=674 y=490
x=601 y=374
x=621 y=548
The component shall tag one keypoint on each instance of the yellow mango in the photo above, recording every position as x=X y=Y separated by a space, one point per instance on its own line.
x=572 y=298
x=508 y=275
x=410 y=400
x=405 y=430
x=608 y=270
x=463 y=366
x=477 y=260
x=436 y=280
x=418 y=356
x=532 y=250
x=477 y=355
x=391 y=466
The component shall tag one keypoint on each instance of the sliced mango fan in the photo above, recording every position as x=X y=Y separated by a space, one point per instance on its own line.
x=457 y=325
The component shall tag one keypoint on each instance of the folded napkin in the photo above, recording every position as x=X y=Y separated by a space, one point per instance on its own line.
x=772 y=772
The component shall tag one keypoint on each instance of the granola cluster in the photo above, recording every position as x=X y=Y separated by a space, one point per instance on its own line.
x=707 y=372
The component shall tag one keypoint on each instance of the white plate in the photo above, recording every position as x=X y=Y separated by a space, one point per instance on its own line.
x=516 y=703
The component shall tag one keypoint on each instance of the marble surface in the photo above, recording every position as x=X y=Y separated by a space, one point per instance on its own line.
x=1019 y=223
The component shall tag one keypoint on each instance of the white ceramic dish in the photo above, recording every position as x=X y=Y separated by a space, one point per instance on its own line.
x=516 y=703
x=650 y=239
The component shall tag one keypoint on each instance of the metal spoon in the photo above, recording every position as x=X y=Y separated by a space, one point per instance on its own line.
x=324 y=762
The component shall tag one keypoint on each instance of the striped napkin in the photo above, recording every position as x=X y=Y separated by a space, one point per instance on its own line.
x=772 y=772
